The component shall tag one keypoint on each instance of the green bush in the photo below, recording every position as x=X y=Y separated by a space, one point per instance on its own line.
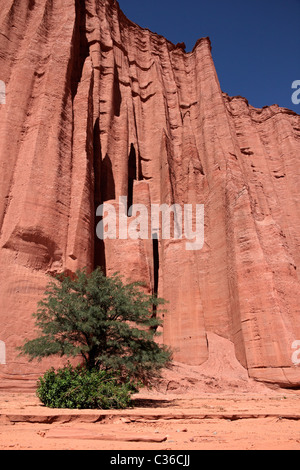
x=111 y=325
x=80 y=388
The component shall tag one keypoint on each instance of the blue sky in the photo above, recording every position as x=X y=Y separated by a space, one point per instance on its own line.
x=255 y=43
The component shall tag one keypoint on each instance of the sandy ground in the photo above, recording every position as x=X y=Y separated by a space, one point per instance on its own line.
x=210 y=422
x=212 y=407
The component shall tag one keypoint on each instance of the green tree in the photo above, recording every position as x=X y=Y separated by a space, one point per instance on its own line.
x=108 y=323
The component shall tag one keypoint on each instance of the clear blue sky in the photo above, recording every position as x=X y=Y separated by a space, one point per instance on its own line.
x=255 y=43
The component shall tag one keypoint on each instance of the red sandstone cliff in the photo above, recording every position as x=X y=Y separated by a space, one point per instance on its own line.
x=98 y=108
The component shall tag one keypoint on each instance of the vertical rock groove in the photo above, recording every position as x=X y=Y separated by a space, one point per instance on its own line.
x=98 y=108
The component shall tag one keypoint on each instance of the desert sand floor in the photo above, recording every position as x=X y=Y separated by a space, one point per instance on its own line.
x=209 y=422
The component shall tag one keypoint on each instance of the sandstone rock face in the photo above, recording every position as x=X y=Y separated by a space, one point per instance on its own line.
x=98 y=108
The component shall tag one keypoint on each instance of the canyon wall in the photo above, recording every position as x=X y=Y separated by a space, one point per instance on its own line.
x=98 y=108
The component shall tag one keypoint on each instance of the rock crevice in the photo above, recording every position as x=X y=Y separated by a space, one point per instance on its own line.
x=98 y=108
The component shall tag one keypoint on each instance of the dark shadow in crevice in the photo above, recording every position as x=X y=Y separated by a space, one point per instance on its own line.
x=155 y=273
x=132 y=176
x=81 y=47
x=155 y=265
x=117 y=98
x=99 y=248
x=135 y=173
x=108 y=189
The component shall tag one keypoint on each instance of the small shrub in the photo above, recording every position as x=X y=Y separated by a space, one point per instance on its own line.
x=80 y=388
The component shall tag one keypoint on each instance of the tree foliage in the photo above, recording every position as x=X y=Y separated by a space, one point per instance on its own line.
x=108 y=323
